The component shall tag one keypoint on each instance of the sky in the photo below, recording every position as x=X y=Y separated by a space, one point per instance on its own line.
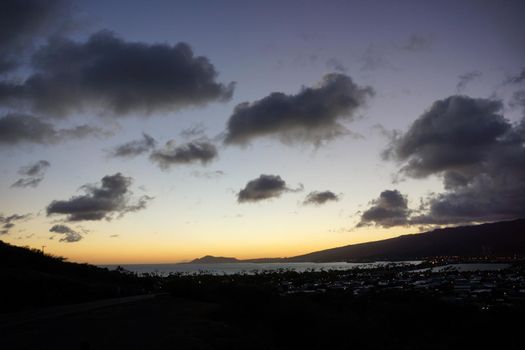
x=162 y=131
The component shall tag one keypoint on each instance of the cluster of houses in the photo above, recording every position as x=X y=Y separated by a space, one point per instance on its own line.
x=485 y=288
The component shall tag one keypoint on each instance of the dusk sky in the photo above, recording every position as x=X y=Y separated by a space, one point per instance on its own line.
x=161 y=131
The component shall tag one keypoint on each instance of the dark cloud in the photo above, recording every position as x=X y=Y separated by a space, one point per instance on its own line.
x=516 y=79
x=8 y=222
x=135 y=147
x=390 y=209
x=418 y=43
x=111 y=198
x=313 y=115
x=454 y=133
x=191 y=152
x=264 y=187
x=110 y=74
x=465 y=79
x=71 y=235
x=33 y=174
x=318 y=198
x=22 y=22
x=479 y=155
x=20 y=128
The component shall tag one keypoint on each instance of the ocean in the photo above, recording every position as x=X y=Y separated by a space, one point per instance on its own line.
x=248 y=268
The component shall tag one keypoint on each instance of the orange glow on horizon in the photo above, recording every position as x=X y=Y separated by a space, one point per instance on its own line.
x=121 y=251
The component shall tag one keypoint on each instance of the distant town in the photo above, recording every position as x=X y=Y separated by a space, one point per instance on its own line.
x=482 y=282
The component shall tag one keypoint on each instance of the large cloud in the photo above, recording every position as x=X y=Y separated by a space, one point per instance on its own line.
x=191 y=152
x=33 y=174
x=70 y=235
x=21 y=128
x=456 y=133
x=319 y=198
x=313 y=115
x=111 y=198
x=21 y=22
x=135 y=147
x=264 y=187
x=111 y=74
x=8 y=222
x=390 y=209
x=477 y=152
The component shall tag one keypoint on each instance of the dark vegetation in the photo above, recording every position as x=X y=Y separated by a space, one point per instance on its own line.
x=252 y=312
x=270 y=319
x=30 y=278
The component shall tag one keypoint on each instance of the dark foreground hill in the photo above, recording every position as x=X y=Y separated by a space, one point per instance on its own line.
x=505 y=238
x=30 y=278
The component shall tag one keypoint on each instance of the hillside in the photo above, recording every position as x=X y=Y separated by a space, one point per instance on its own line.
x=30 y=278
x=505 y=238
x=208 y=259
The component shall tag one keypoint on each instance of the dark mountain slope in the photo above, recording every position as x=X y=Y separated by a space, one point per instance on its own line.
x=505 y=238
x=208 y=259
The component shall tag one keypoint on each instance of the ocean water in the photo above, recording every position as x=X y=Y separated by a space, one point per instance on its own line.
x=248 y=268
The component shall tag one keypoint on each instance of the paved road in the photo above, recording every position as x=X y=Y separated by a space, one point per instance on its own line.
x=20 y=318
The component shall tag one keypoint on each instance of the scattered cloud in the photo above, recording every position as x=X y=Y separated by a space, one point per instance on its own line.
x=518 y=100
x=336 y=65
x=264 y=187
x=390 y=209
x=70 y=235
x=465 y=79
x=319 y=198
x=8 y=222
x=27 y=182
x=373 y=59
x=135 y=147
x=208 y=174
x=110 y=198
x=21 y=128
x=116 y=76
x=313 y=115
x=418 y=42
x=516 y=79
x=33 y=174
x=191 y=152
x=194 y=131
x=479 y=155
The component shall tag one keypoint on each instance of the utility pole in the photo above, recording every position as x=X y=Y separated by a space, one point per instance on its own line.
x=43 y=249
